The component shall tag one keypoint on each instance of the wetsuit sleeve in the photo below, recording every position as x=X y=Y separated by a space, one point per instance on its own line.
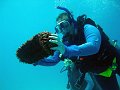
x=92 y=45
x=49 y=61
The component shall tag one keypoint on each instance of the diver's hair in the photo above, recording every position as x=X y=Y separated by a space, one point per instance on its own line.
x=61 y=15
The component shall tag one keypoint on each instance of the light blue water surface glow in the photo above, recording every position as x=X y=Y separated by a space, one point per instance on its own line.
x=21 y=19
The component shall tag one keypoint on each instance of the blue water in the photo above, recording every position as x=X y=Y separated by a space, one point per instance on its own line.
x=21 y=19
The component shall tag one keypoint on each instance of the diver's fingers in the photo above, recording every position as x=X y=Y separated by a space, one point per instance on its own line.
x=54 y=37
x=54 y=48
x=54 y=41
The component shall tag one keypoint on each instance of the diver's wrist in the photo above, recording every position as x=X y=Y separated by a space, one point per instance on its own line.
x=62 y=49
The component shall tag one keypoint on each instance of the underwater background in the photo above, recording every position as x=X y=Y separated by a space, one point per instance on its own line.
x=21 y=19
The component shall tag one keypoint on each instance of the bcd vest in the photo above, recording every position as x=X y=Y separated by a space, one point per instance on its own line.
x=98 y=62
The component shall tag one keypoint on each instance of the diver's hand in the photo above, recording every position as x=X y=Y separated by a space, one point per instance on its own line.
x=57 y=41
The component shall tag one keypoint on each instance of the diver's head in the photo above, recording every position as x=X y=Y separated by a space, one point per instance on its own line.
x=64 y=24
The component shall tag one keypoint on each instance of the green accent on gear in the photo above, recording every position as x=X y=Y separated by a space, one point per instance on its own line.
x=108 y=72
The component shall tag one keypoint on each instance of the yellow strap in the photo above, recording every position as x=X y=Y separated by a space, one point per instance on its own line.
x=108 y=72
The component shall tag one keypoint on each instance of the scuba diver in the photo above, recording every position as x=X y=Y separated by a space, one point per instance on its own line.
x=85 y=48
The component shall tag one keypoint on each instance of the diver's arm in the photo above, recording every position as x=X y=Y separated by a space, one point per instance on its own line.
x=49 y=61
x=92 y=45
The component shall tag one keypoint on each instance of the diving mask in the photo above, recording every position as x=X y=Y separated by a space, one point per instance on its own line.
x=62 y=25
